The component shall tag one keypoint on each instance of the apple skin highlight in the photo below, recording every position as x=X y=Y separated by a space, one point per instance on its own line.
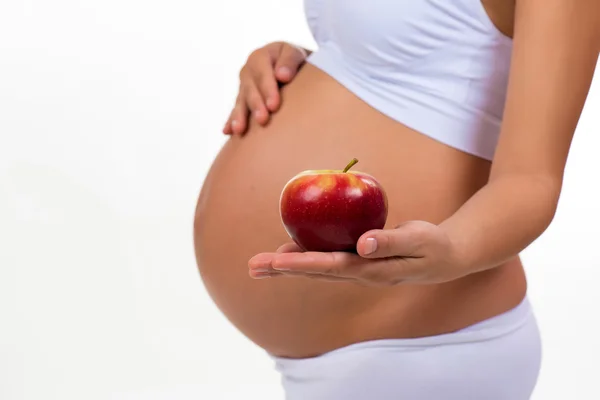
x=328 y=210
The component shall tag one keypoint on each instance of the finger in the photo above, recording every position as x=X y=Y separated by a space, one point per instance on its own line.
x=383 y=272
x=267 y=86
x=406 y=240
x=261 y=262
x=259 y=70
x=288 y=62
x=289 y=248
x=227 y=129
x=316 y=276
x=255 y=103
x=387 y=272
x=293 y=274
x=239 y=115
x=264 y=275
x=334 y=264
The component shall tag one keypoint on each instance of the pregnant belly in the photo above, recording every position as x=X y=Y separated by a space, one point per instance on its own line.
x=322 y=126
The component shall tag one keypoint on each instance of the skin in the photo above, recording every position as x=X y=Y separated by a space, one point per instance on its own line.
x=494 y=225
x=455 y=253
x=259 y=95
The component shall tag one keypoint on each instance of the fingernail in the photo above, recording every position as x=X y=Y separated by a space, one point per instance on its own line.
x=370 y=246
x=285 y=71
x=234 y=124
x=259 y=273
x=277 y=267
x=270 y=103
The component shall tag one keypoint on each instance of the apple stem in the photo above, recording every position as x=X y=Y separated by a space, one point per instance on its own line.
x=350 y=164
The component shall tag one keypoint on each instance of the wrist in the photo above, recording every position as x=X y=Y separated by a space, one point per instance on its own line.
x=460 y=256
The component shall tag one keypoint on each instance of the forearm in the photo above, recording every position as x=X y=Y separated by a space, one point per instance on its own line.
x=555 y=50
x=501 y=220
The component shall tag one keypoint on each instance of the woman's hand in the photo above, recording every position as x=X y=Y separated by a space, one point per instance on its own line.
x=259 y=84
x=414 y=252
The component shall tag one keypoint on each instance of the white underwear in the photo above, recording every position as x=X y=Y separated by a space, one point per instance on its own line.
x=496 y=359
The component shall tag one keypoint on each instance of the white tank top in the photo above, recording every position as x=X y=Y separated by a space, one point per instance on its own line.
x=439 y=67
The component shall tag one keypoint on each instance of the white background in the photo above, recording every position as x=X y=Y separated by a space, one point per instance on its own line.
x=110 y=115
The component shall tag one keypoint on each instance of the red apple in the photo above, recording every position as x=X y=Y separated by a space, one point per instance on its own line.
x=328 y=210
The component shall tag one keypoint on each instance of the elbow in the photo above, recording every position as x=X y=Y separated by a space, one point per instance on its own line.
x=547 y=191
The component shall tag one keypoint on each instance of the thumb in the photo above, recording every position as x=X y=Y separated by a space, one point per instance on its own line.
x=289 y=60
x=406 y=240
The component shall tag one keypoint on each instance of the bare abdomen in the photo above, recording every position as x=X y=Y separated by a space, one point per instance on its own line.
x=322 y=126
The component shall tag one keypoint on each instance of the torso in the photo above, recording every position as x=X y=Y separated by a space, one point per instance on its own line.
x=502 y=13
x=321 y=125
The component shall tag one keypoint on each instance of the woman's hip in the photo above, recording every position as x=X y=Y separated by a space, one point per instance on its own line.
x=496 y=359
